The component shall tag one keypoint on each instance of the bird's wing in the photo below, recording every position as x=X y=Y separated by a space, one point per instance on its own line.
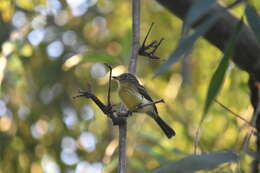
x=143 y=92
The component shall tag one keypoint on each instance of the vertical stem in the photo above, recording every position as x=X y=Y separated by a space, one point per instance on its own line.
x=255 y=162
x=122 y=146
x=135 y=35
x=131 y=69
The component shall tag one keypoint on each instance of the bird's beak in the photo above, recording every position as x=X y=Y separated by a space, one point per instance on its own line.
x=115 y=77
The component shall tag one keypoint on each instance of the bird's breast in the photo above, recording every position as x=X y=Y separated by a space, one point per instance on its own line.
x=131 y=98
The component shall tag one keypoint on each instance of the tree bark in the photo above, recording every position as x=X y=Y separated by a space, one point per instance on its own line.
x=254 y=87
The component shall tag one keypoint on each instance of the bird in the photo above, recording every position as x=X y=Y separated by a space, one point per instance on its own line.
x=133 y=94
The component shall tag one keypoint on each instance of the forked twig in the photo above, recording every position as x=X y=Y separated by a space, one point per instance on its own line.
x=151 y=26
x=150 y=49
x=106 y=109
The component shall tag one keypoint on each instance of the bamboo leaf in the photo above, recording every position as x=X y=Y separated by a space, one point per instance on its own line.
x=194 y=163
x=200 y=8
x=185 y=45
x=219 y=75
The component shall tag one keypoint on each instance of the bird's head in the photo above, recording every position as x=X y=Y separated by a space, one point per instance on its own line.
x=126 y=77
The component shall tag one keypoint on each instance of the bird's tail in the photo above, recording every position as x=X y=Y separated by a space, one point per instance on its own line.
x=169 y=132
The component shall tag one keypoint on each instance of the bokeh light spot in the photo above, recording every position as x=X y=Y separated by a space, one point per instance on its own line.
x=36 y=36
x=39 y=129
x=19 y=19
x=36 y=168
x=87 y=113
x=85 y=167
x=97 y=70
x=69 y=117
x=39 y=22
x=69 y=157
x=51 y=33
x=53 y=6
x=7 y=48
x=100 y=23
x=23 y=112
x=68 y=143
x=78 y=7
x=114 y=49
x=49 y=165
x=69 y=38
x=55 y=49
x=61 y=18
x=88 y=141
x=5 y=123
x=46 y=95
x=3 y=108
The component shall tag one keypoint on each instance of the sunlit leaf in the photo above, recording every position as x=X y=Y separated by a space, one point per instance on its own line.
x=194 y=163
x=219 y=75
x=186 y=45
x=253 y=20
x=235 y=3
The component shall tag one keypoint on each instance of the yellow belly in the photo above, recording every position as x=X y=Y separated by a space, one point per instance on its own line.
x=131 y=98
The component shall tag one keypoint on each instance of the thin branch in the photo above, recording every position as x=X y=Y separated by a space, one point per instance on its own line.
x=151 y=26
x=235 y=114
x=147 y=104
x=107 y=110
x=131 y=69
x=141 y=106
x=157 y=45
x=109 y=84
x=122 y=147
x=135 y=35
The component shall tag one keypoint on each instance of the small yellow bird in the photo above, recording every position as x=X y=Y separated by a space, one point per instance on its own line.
x=133 y=94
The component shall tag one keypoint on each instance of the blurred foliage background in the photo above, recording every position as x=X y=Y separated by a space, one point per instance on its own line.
x=51 y=48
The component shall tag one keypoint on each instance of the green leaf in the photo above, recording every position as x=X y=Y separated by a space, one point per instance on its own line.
x=235 y=3
x=187 y=42
x=194 y=163
x=253 y=20
x=219 y=75
x=200 y=8
x=99 y=57
x=186 y=45
x=216 y=82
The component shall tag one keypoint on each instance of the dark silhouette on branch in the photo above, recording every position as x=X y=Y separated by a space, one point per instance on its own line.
x=247 y=49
